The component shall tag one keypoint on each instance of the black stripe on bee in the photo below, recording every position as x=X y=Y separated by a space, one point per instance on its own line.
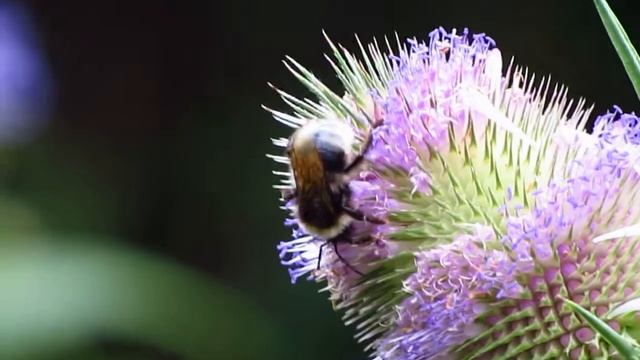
x=331 y=153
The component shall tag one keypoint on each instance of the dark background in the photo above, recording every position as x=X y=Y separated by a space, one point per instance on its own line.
x=156 y=135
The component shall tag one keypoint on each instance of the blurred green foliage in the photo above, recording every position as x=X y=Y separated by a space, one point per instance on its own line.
x=58 y=295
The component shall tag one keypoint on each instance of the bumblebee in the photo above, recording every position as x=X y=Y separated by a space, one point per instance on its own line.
x=322 y=163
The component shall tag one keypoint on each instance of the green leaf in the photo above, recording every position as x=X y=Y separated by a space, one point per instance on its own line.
x=621 y=42
x=625 y=346
x=58 y=296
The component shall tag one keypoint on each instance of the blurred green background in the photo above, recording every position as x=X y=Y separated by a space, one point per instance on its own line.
x=137 y=219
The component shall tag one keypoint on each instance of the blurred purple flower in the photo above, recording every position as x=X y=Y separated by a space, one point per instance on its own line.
x=25 y=81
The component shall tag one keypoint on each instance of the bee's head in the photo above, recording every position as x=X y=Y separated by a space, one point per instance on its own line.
x=319 y=146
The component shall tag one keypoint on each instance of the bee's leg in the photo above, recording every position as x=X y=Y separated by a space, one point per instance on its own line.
x=365 y=147
x=360 y=216
x=341 y=238
x=335 y=249
x=320 y=254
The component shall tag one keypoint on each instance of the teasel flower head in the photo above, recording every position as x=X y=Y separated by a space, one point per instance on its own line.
x=493 y=194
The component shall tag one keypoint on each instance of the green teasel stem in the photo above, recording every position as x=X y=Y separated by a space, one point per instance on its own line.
x=627 y=53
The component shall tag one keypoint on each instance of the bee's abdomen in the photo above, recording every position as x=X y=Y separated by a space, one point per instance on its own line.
x=318 y=213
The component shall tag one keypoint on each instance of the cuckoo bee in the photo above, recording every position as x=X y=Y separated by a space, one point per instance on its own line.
x=322 y=164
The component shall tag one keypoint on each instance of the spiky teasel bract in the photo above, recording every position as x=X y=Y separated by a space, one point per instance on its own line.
x=493 y=193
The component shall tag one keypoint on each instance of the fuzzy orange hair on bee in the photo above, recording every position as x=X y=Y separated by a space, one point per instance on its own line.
x=322 y=163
